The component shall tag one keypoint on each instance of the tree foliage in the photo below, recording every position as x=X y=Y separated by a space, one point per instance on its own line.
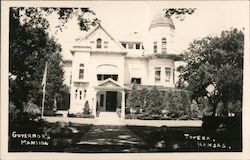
x=37 y=17
x=30 y=47
x=179 y=13
x=215 y=68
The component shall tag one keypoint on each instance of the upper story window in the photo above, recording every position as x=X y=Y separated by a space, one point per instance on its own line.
x=167 y=74
x=137 y=46
x=101 y=77
x=99 y=43
x=155 y=47
x=124 y=45
x=164 y=45
x=81 y=71
x=157 y=74
x=130 y=46
x=136 y=80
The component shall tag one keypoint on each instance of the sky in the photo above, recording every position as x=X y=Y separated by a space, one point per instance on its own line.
x=120 y=18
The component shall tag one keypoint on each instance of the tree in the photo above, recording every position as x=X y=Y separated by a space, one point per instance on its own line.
x=30 y=46
x=215 y=68
x=179 y=13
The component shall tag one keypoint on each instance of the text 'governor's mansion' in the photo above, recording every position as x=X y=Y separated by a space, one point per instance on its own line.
x=103 y=70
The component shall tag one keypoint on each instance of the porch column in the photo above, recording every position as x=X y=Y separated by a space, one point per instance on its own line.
x=123 y=105
x=94 y=103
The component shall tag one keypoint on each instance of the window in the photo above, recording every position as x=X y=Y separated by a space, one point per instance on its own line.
x=155 y=47
x=85 y=93
x=101 y=100
x=81 y=71
x=124 y=45
x=101 y=77
x=80 y=95
x=130 y=46
x=167 y=74
x=76 y=93
x=157 y=74
x=164 y=45
x=106 y=76
x=114 y=77
x=137 y=46
x=99 y=43
x=136 y=80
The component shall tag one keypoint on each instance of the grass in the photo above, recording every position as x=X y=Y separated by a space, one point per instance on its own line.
x=188 y=139
x=64 y=137
x=59 y=136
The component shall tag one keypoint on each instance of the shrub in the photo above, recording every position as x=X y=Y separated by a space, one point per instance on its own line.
x=71 y=115
x=155 y=104
x=31 y=110
x=133 y=116
x=204 y=106
x=88 y=116
x=79 y=115
x=86 y=109
x=195 y=111
x=118 y=112
x=13 y=112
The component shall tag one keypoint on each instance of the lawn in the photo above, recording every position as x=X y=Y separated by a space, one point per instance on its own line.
x=188 y=139
x=43 y=136
x=30 y=136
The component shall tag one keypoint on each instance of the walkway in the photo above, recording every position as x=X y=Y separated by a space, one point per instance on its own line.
x=109 y=134
x=108 y=118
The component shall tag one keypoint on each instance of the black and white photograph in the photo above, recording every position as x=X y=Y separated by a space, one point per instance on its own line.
x=124 y=78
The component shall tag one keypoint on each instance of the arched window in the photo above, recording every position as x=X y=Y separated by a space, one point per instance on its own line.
x=164 y=45
x=76 y=91
x=99 y=43
x=80 y=95
x=81 y=71
x=85 y=93
x=155 y=47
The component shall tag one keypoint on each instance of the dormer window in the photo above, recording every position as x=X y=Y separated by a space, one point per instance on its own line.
x=130 y=46
x=99 y=43
x=137 y=46
x=164 y=45
x=124 y=45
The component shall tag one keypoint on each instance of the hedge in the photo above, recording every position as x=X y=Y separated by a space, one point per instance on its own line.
x=161 y=104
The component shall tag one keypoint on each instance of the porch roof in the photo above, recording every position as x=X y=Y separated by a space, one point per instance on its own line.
x=101 y=88
x=110 y=85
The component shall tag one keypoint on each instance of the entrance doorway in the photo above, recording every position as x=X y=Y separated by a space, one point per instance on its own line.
x=111 y=101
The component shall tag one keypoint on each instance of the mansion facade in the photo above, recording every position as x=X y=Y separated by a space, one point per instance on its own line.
x=103 y=70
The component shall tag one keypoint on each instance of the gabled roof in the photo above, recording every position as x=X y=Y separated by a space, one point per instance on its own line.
x=101 y=27
x=109 y=81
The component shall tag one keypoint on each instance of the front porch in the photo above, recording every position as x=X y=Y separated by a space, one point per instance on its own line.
x=109 y=97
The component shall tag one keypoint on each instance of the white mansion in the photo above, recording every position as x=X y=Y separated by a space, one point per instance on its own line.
x=102 y=70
